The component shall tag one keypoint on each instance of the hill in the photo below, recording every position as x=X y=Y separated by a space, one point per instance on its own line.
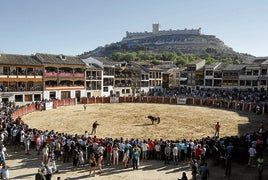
x=187 y=42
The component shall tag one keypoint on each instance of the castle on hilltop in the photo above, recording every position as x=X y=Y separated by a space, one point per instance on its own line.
x=157 y=32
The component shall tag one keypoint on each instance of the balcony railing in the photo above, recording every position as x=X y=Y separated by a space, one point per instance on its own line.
x=64 y=74
x=65 y=87
x=79 y=75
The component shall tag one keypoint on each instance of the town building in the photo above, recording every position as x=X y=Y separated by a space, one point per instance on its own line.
x=29 y=78
x=21 y=78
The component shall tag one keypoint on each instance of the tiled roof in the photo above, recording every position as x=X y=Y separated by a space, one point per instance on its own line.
x=105 y=61
x=265 y=62
x=143 y=69
x=93 y=66
x=234 y=67
x=59 y=59
x=13 y=59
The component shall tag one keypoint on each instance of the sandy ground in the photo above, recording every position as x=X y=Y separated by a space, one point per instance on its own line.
x=129 y=121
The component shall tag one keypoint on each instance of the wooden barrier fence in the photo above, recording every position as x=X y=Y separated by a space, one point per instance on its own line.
x=241 y=106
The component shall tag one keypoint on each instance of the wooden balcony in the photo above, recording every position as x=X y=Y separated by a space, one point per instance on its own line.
x=49 y=88
x=62 y=74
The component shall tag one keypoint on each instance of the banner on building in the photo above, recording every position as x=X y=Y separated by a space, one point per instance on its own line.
x=181 y=100
x=49 y=105
x=114 y=99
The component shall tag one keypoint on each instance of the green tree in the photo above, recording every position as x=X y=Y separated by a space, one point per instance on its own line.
x=118 y=56
x=210 y=60
x=227 y=60
x=156 y=62
x=169 y=56
x=237 y=61
x=130 y=56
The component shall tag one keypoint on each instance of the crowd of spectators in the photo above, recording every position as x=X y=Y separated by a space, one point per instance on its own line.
x=86 y=148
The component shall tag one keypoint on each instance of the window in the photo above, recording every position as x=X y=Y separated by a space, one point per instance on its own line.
x=263 y=71
x=52 y=95
x=248 y=83
x=18 y=98
x=108 y=81
x=28 y=97
x=105 y=89
x=255 y=72
x=37 y=97
x=209 y=73
x=254 y=83
x=248 y=73
x=65 y=94
x=6 y=70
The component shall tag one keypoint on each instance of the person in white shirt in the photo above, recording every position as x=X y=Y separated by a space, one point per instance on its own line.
x=157 y=150
x=252 y=153
x=175 y=154
x=144 y=147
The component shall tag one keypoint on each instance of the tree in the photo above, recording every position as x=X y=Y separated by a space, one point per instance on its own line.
x=130 y=57
x=227 y=60
x=156 y=62
x=210 y=60
x=118 y=56
x=169 y=56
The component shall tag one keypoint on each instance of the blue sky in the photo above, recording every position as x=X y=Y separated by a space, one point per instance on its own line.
x=72 y=27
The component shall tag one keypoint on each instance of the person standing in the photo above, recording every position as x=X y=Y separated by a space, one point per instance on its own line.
x=261 y=127
x=217 y=130
x=81 y=160
x=167 y=153
x=175 y=154
x=204 y=172
x=228 y=164
x=184 y=176
x=260 y=162
x=85 y=107
x=144 y=147
x=252 y=153
x=48 y=174
x=109 y=154
x=115 y=154
x=135 y=157
x=40 y=175
x=5 y=172
x=99 y=162
x=194 y=169
x=2 y=156
x=92 y=164
x=94 y=127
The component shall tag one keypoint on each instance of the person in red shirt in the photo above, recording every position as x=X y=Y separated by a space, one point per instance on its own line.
x=217 y=130
x=150 y=149
x=109 y=151
x=198 y=153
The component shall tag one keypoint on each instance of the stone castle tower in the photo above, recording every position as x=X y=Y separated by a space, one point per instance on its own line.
x=156 y=28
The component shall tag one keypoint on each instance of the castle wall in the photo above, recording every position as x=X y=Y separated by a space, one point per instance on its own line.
x=138 y=35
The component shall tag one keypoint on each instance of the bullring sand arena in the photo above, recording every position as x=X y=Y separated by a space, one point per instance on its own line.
x=129 y=120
